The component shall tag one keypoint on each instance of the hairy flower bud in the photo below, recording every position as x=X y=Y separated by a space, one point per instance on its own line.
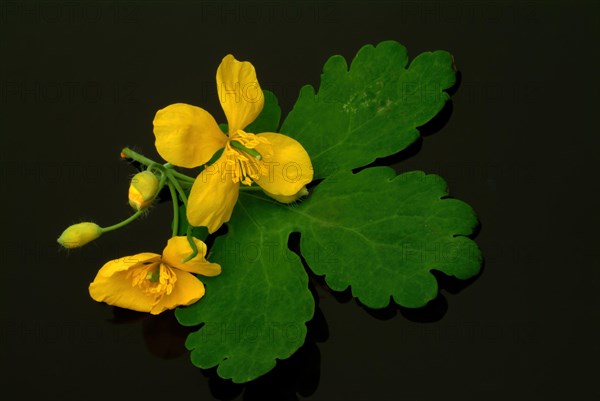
x=78 y=235
x=290 y=198
x=142 y=190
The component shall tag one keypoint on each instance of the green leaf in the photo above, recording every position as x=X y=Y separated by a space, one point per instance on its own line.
x=371 y=110
x=267 y=120
x=378 y=233
x=383 y=234
x=255 y=311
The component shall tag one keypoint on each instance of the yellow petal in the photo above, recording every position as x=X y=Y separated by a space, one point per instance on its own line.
x=127 y=262
x=239 y=92
x=113 y=284
x=187 y=136
x=187 y=290
x=212 y=197
x=286 y=166
x=289 y=198
x=178 y=248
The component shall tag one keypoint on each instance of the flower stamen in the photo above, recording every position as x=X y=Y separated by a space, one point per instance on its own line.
x=242 y=161
x=153 y=278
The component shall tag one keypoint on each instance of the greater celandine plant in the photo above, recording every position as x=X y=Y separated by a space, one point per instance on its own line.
x=377 y=232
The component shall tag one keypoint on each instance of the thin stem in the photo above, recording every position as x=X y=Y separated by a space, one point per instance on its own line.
x=177 y=185
x=137 y=157
x=122 y=223
x=175 y=210
x=151 y=163
x=181 y=176
x=161 y=183
x=190 y=239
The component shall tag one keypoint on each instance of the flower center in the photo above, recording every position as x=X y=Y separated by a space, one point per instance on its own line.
x=242 y=161
x=154 y=278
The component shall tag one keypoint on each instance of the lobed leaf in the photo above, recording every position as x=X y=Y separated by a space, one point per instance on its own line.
x=255 y=311
x=379 y=233
x=371 y=110
x=382 y=234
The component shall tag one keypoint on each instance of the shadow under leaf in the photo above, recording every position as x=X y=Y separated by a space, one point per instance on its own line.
x=431 y=127
x=297 y=375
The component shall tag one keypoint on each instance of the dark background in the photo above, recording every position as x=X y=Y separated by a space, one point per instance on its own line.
x=81 y=80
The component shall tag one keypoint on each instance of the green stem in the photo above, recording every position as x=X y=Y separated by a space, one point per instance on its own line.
x=177 y=186
x=150 y=163
x=161 y=183
x=122 y=223
x=181 y=176
x=190 y=239
x=175 y=210
x=137 y=157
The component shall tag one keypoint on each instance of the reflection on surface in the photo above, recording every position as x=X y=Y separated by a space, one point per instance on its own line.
x=434 y=310
x=163 y=335
x=299 y=374
x=396 y=160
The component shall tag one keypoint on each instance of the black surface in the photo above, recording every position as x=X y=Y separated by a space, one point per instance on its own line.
x=518 y=143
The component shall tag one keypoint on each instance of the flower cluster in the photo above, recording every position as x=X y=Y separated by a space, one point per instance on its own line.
x=188 y=136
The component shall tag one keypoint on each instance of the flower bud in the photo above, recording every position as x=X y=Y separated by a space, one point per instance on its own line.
x=80 y=234
x=142 y=190
x=289 y=198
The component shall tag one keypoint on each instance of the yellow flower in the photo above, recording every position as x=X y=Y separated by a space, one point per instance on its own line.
x=188 y=136
x=148 y=282
x=78 y=235
x=142 y=190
